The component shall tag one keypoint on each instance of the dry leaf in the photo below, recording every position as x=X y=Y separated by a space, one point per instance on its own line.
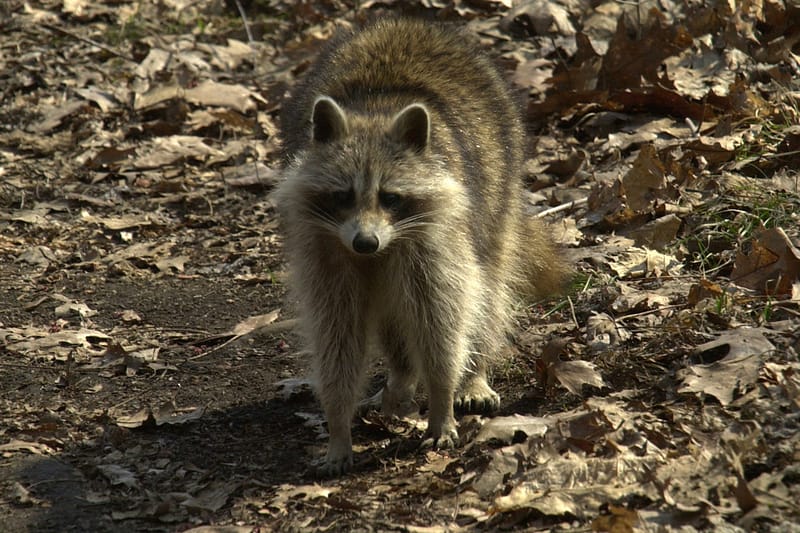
x=212 y=93
x=288 y=492
x=20 y=445
x=503 y=428
x=119 y=475
x=646 y=181
x=772 y=265
x=212 y=497
x=640 y=262
x=574 y=374
x=733 y=374
x=702 y=290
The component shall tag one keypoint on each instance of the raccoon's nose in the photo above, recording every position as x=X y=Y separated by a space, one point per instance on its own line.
x=365 y=244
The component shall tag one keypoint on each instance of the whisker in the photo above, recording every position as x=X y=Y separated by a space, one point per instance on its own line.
x=423 y=215
x=322 y=218
x=418 y=221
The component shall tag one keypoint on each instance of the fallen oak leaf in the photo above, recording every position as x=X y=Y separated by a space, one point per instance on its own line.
x=645 y=182
x=616 y=519
x=222 y=529
x=286 y=388
x=574 y=374
x=138 y=419
x=212 y=498
x=21 y=495
x=211 y=93
x=745 y=350
x=57 y=345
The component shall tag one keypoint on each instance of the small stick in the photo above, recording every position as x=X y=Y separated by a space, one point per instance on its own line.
x=562 y=207
x=244 y=19
x=87 y=40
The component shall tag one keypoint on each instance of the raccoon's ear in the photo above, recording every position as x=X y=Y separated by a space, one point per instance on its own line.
x=412 y=127
x=328 y=121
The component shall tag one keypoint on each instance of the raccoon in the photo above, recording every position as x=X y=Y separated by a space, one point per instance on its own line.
x=401 y=207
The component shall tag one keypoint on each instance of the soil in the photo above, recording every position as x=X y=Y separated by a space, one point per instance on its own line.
x=247 y=436
x=243 y=432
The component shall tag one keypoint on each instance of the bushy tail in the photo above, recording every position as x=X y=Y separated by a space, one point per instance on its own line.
x=545 y=272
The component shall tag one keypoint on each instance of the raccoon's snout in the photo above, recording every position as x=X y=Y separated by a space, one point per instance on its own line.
x=365 y=244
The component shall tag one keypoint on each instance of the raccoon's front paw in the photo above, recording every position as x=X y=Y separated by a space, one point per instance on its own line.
x=476 y=396
x=336 y=464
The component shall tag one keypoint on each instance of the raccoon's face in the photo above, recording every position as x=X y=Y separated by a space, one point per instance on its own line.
x=371 y=183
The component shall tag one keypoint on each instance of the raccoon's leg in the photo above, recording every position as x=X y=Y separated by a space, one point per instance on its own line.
x=340 y=369
x=440 y=381
x=441 y=354
x=397 y=397
x=474 y=393
x=446 y=311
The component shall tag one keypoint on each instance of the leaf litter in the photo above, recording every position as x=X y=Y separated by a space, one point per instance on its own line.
x=139 y=260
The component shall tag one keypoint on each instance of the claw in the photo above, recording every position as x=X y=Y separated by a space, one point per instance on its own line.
x=446 y=441
x=476 y=396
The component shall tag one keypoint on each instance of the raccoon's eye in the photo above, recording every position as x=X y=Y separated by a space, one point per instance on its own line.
x=343 y=198
x=389 y=200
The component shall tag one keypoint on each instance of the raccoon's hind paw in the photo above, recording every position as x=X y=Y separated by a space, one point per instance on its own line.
x=335 y=466
x=476 y=396
x=447 y=440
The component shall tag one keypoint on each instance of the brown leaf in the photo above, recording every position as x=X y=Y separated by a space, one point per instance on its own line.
x=630 y=59
x=212 y=93
x=730 y=376
x=771 y=266
x=658 y=233
x=213 y=497
x=702 y=290
x=581 y=73
x=573 y=375
x=645 y=182
x=55 y=116
x=254 y=323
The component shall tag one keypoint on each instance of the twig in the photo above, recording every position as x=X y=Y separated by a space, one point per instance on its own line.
x=562 y=207
x=270 y=329
x=246 y=24
x=87 y=40
x=572 y=312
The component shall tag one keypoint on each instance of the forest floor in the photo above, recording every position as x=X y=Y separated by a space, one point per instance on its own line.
x=149 y=377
